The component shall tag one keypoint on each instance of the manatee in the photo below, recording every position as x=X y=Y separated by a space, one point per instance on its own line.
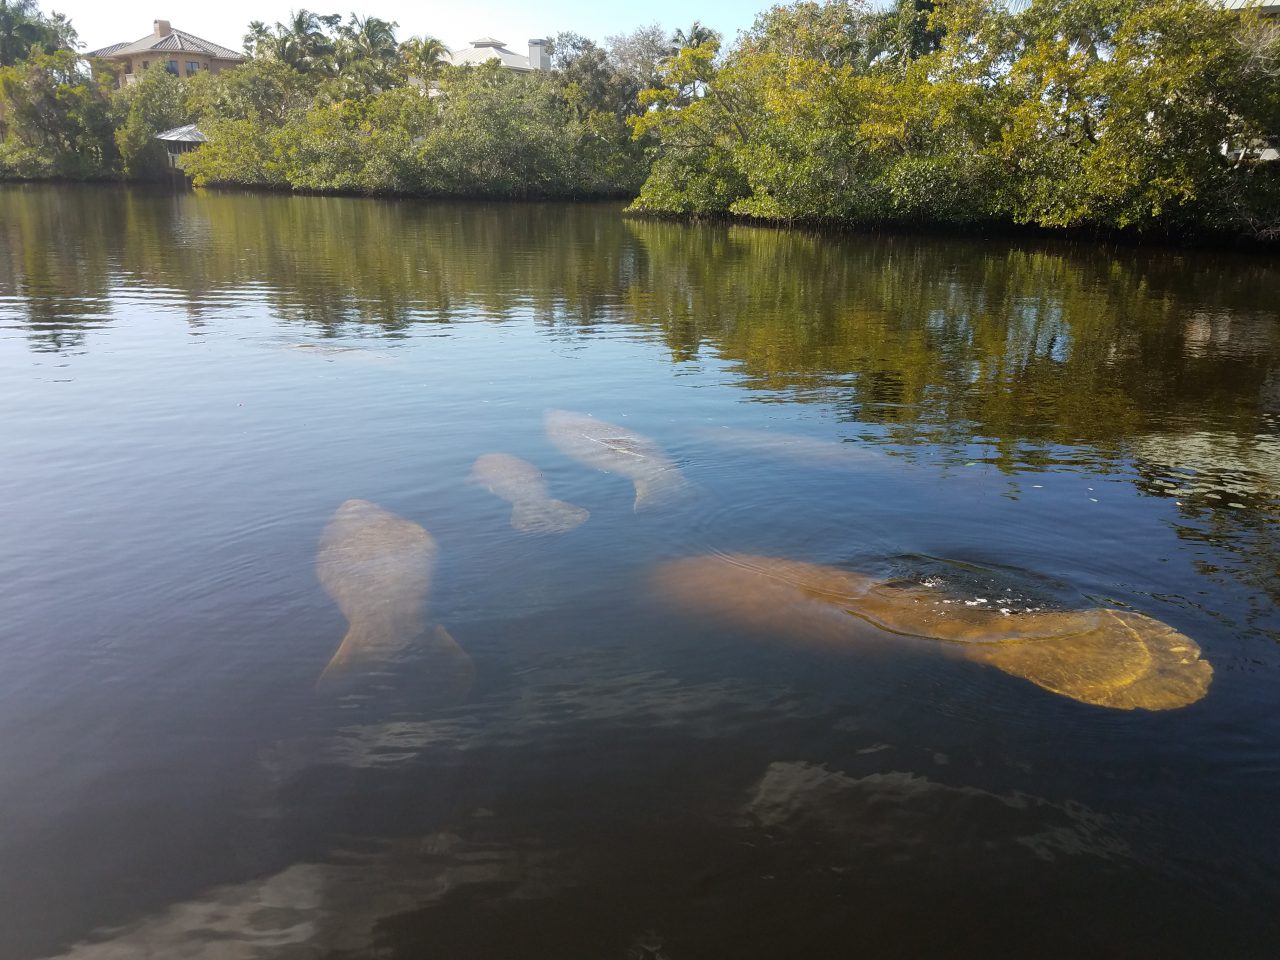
x=1110 y=658
x=377 y=567
x=615 y=449
x=331 y=352
x=521 y=484
x=788 y=446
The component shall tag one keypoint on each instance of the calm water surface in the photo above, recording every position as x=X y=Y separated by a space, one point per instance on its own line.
x=192 y=385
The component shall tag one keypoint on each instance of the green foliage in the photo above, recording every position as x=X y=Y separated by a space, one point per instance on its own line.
x=57 y=119
x=239 y=152
x=417 y=128
x=151 y=105
x=23 y=28
x=482 y=131
x=423 y=58
x=499 y=134
x=636 y=57
x=264 y=90
x=1138 y=115
x=332 y=106
x=1073 y=113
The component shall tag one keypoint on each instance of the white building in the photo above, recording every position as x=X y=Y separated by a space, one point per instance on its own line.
x=1267 y=7
x=487 y=48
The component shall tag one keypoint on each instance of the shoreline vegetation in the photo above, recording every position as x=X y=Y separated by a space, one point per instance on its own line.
x=1142 y=119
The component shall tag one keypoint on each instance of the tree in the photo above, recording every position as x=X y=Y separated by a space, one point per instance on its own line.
x=303 y=43
x=698 y=35
x=638 y=55
x=499 y=134
x=58 y=119
x=367 y=38
x=1119 y=111
x=423 y=57
x=584 y=71
x=264 y=90
x=907 y=31
x=23 y=27
x=833 y=32
x=1113 y=114
x=154 y=104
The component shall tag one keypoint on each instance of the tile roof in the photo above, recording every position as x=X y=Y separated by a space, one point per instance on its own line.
x=178 y=41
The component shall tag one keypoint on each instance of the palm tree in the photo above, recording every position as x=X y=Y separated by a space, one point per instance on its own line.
x=22 y=27
x=423 y=56
x=258 y=41
x=698 y=35
x=370 y=38
x=304 y=42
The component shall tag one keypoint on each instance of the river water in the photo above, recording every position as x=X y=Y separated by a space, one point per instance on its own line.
x=193 y=385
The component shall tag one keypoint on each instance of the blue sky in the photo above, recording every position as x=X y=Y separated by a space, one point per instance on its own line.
x=224 y=21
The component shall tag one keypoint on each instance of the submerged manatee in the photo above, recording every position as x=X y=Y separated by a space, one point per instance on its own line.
x=615 y=449
x=1109 y=658
x=521 y=484
x=377 y=567
x=787 y=446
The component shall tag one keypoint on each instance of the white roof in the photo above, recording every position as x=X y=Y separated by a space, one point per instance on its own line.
x=487 y=48
x=1264 y=6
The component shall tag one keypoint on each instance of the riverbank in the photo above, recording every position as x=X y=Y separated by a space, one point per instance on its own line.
x=993 y=230
x=968 y=120
x=1204 y=239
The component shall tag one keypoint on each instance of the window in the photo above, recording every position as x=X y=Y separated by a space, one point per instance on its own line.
x=145 y=64
x=193 y=66
x=173 y=67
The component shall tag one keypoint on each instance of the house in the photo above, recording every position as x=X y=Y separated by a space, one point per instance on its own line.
x=181 y=53
x=1268 y=8
x=487 y=48
x=1261 y=150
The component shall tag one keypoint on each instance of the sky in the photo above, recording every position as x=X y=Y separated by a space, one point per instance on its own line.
x=101 y=23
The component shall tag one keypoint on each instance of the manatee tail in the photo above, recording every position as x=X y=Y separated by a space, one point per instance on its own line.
x=548 y=516
x=662 y=489
x=451 y=668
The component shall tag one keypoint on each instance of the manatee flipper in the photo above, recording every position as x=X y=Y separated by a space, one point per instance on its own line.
x=351 y=644
x=451 y=666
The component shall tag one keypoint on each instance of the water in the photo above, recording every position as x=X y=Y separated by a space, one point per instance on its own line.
x=192 y=386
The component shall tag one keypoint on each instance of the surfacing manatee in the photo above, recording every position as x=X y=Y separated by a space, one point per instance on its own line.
x=619 y=450
x=521 y=484
x=1109 y=658
x=377 y=567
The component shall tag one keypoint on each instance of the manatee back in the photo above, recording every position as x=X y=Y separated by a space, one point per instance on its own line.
x=376 y=565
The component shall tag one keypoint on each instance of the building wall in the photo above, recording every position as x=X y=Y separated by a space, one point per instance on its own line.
x=134 y=64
